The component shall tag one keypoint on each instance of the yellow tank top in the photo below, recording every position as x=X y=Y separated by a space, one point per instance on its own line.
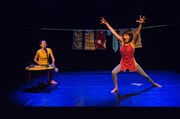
x=42 y=56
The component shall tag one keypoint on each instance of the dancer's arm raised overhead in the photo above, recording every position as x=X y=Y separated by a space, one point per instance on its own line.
x=103 y=21
x=140 y=21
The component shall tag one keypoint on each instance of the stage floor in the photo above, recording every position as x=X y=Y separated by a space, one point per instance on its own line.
x=92 y=89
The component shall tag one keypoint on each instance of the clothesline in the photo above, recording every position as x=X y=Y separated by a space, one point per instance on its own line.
x=61 y=29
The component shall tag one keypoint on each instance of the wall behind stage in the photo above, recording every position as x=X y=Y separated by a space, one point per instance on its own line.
x=24 y=20
x=158 y=52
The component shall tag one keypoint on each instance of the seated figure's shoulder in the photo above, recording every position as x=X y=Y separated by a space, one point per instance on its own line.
x=48 y=48
x=38 y=50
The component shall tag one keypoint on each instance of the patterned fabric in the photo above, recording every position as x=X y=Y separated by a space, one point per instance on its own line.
x=100 y=41
x=77 y=40
x=89 y=40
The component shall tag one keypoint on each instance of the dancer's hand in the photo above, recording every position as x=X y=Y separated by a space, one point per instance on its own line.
x=103 y=21
x=141 y=19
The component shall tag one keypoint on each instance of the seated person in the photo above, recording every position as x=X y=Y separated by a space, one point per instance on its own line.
x=42 y=58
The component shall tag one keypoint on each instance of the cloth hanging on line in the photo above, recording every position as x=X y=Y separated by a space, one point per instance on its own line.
x=115 y=43
x=108 y=33
x=77 y=40
x=100 y=40
x=89 y=43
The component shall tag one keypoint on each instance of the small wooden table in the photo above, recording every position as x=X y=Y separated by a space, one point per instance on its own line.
x=36 y=68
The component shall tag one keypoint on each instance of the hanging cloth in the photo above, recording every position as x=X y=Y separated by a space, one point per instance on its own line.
x=100 y=40
x=115 y=43
x=77 y=40
x=89 y=40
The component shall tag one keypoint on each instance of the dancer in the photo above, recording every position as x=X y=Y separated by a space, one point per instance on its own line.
x=127 y=53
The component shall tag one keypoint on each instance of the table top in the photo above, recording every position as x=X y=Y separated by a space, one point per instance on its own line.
x=38 y=68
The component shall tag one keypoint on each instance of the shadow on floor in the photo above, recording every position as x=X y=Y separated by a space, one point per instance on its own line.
x=41 y=87
x=123 y=97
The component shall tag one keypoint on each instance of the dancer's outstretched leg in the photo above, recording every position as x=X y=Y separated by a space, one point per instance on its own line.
x=115 y=71
x=141 y=71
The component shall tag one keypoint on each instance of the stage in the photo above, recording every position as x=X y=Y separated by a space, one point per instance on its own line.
x=92 y=89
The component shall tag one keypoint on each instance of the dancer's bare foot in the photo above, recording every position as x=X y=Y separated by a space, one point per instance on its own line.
x=114 y=90
x=156 y=85
x=53 y=82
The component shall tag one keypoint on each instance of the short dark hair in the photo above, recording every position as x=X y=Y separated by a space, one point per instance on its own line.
x=129 y=32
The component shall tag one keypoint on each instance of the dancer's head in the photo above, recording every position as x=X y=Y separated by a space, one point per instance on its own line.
x=127 y=36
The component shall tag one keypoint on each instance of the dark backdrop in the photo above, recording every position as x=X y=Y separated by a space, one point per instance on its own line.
x=160 y=45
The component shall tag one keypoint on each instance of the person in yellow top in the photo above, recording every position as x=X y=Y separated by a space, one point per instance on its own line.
x=42 y=58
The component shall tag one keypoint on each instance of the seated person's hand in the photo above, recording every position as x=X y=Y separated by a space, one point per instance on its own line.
x=53 y=65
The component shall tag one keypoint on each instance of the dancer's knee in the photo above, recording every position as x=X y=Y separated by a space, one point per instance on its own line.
x=113 y=73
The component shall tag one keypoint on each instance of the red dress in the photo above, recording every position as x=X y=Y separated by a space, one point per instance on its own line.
x=127 y=57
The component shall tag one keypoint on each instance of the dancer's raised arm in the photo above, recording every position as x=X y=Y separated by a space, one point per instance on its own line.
x=141 y=21
x=103 y=21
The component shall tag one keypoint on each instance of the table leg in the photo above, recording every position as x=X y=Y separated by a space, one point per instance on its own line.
x=48 y=76
x=29 y=76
